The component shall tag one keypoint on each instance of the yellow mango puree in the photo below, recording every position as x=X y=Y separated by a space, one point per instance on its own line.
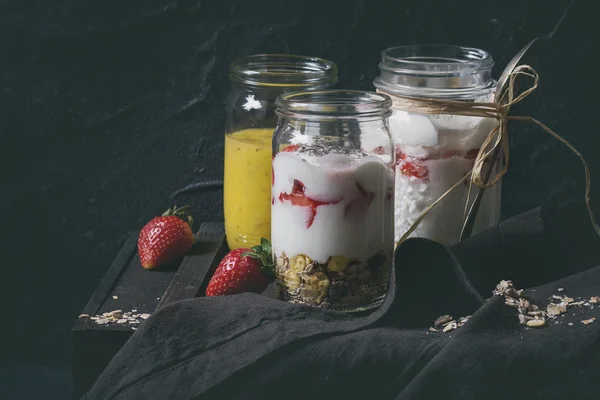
x=247 y=187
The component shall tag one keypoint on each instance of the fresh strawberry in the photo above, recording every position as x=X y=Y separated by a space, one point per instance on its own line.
x=298 y=198
x=291 y=148
x=165 y=238
x=243 y=270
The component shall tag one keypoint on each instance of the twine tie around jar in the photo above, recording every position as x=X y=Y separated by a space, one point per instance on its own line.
x=498 y=136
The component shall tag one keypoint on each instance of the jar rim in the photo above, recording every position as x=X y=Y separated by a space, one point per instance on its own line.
x=283 y=70
x=435 y=60
x=436 y=71
x=333 y=104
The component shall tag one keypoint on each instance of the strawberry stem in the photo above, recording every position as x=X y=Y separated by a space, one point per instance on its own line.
x=263 y=253
x=181 y=212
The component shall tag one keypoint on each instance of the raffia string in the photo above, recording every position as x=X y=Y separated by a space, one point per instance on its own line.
x=498 y=136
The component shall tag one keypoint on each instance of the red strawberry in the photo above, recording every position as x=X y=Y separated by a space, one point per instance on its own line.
x=165 y=238
x=298 y=198
x=291 y=148
x=243 y=270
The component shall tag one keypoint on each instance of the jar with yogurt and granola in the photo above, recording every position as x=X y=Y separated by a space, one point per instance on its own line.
x=433 y=151
x=332 y=198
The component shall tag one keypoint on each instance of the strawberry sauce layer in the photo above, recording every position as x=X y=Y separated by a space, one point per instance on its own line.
x=415 y=166
x=299 y=198
x=291 y=148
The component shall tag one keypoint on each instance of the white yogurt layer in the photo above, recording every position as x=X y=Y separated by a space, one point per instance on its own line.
x=354 y=212
x=443 y=161
x=444 y=222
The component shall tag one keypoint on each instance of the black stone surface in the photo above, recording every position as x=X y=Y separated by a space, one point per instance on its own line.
x=109 y=108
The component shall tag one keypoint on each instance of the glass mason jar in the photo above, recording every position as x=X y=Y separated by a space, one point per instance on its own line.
x=332 y=198
x=433 y=152
x=256 y=81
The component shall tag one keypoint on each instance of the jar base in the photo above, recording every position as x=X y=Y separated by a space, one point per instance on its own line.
x=375 y=303
x=354 y=308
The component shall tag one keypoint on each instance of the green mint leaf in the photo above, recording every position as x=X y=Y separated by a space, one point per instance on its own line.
x=263 y=242
x=250 y=254
x=266 y=246
x=257 y=249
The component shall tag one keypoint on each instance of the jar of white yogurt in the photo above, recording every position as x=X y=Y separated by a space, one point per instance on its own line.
x=332 y=198
x=433 y=152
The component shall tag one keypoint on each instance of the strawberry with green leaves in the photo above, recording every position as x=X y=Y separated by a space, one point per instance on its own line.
x=243 y=270
x=166 y=238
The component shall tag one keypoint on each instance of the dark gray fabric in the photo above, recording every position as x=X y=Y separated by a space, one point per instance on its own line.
x=252 y=347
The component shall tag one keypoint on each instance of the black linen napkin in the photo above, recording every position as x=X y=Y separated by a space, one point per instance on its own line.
x=251 y=347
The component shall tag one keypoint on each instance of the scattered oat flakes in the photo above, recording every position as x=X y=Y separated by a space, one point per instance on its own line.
x=556 y=309
x=119 y=317
x=505 y=288
x=536 y=323
x=115 y=297
x=450 y=327
x=134 y=310
x=529 y=314
x=444 y=319
x=502 y=287
x=84 y=316
x=509 y=301
x=448 y=323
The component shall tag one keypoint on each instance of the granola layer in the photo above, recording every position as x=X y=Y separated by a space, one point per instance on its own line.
x=341 y=283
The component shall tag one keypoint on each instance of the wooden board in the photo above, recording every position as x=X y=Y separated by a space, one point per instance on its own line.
x=196 y=269
x=127 y=286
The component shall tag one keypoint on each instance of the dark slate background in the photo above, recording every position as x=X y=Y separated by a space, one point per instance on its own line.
x=108 y=108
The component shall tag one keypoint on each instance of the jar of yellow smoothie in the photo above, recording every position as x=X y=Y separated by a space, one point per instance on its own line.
x=256 y=81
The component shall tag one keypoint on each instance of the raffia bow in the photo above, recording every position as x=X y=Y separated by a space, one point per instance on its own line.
x=498 y=136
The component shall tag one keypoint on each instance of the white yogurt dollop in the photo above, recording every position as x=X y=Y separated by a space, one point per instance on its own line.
x=332 y=204
x=426 y=170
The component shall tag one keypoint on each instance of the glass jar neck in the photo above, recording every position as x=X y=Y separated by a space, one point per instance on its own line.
x=283 y=70
x=335 y=106
x=437 y=71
